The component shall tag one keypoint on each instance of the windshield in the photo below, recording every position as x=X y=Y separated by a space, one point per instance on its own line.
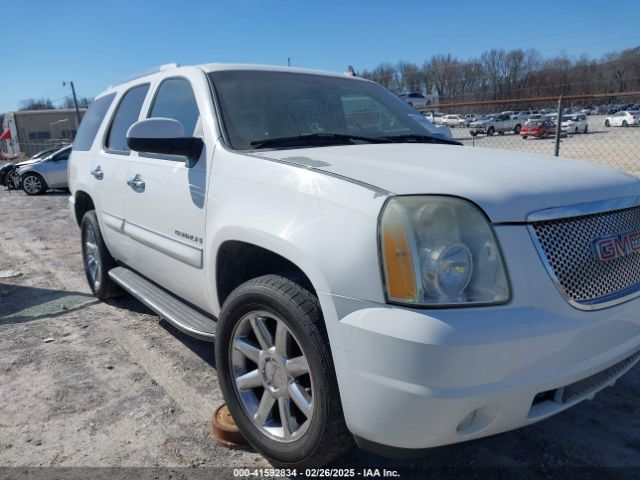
x=264 y=105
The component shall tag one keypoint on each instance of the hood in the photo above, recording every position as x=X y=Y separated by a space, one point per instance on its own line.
x=29 y=162
x=480 y=122
x=507 y=185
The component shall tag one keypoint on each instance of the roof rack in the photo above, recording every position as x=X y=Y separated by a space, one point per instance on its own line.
x=161 y=68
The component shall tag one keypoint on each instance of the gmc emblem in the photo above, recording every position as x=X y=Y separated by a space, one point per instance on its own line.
x=617 y=246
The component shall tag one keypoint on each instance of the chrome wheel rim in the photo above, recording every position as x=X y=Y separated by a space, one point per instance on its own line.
x=271 y=376
x=32 y=184
x=91 y=257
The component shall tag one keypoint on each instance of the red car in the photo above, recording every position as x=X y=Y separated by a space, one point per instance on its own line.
x=538 y=129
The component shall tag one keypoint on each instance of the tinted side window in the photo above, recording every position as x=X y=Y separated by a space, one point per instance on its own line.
x=91 y=122
x=175 y=100
x=62 y=156
x=126 y=115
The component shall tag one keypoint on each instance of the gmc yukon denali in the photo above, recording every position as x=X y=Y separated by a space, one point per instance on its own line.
x=364 y=278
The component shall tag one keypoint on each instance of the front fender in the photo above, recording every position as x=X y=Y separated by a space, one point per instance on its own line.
x=326 y=226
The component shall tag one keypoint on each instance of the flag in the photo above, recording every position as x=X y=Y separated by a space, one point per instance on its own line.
x=6 y=135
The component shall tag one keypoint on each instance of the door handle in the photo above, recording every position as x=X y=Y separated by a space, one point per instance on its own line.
x=136 y=183
x=97 y=172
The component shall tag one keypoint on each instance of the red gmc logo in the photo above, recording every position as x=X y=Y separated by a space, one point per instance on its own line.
x=617 y=246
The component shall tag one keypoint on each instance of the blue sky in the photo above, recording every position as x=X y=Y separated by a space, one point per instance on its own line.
x=99 y=43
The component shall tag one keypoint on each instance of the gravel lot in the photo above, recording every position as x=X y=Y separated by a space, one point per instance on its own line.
x=85 y=383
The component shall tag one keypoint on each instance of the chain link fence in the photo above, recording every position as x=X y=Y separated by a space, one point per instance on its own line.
x=596 y=128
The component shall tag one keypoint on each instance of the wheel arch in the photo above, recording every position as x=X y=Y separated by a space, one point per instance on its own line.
x=83 y=204
x=239 y=260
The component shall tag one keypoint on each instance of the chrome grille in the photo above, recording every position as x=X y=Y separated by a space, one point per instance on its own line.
x=567 y=245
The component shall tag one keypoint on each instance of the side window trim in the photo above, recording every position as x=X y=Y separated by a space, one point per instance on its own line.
x=107 y=131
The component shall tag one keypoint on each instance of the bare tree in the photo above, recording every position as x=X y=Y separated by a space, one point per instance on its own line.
x=36 y=104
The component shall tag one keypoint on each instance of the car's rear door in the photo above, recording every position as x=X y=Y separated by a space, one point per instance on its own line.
x=110 y=168
x=165 y=209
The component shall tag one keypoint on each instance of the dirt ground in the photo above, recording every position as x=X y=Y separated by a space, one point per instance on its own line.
x=85 y=383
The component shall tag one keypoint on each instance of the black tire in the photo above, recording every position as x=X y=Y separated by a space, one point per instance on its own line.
x=500 y=132
x=586 y=129
x=607 y=123
x=102 y=286
x=327 y=437
x=624 y=123
x=491 y=131
x=576 y=131
x=473 y=134
x=517 y=129
x=524 y=137
x=33 y=184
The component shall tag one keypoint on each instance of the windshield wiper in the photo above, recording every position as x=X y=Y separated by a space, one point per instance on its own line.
x=315 y=138
x=415 y=137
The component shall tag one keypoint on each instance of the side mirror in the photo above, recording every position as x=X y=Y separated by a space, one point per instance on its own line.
x=163 y=136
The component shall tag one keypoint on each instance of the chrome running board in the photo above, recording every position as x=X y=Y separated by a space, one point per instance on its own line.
x=169 y=307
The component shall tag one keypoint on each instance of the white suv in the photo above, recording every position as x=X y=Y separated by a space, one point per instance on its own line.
x=362 y=276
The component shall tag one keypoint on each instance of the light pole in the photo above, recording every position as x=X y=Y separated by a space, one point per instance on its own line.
x=75 y=102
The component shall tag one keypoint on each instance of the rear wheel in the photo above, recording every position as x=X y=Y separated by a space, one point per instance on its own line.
x=97 y=259
x=524 y=137
x=33 y=184
x=586 y=129
x=624 y=123
x=276 y=373
x=576 y=130
x=607 y=123
x=517 y=129
x=491 y=131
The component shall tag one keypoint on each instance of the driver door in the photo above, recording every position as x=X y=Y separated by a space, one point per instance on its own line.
x=57 y=169
x=165 y=213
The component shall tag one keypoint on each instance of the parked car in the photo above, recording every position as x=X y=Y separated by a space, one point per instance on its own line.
x=470 y=117
x=49 y=172
x=501 y=123
x=329 y=258
x=453 y=121
x=623 y=119
x=574 y=123
x=13 y=165
x=414 y=99
x=434 y=117
x=538 y=129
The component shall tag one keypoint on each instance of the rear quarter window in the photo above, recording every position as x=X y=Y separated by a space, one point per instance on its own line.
x=91 y=122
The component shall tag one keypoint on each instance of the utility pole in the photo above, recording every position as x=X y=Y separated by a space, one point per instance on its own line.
x=75 y=102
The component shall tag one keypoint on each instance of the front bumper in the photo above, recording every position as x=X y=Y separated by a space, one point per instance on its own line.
x=417 y=379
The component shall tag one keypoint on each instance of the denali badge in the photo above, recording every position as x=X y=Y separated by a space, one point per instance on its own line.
x=617 y=246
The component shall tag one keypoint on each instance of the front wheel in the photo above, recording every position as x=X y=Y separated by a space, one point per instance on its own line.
x=586 y=129
x=524 y=137
x=517 y=129
x=491 y=131
x=33 y=184
x=607 y=123
x=624 y=123
x=276 y=373
x=97 y=259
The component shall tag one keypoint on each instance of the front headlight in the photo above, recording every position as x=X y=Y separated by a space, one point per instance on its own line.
x=440 y=251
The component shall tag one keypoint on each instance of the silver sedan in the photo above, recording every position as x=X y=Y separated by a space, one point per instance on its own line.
x=48 y=173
